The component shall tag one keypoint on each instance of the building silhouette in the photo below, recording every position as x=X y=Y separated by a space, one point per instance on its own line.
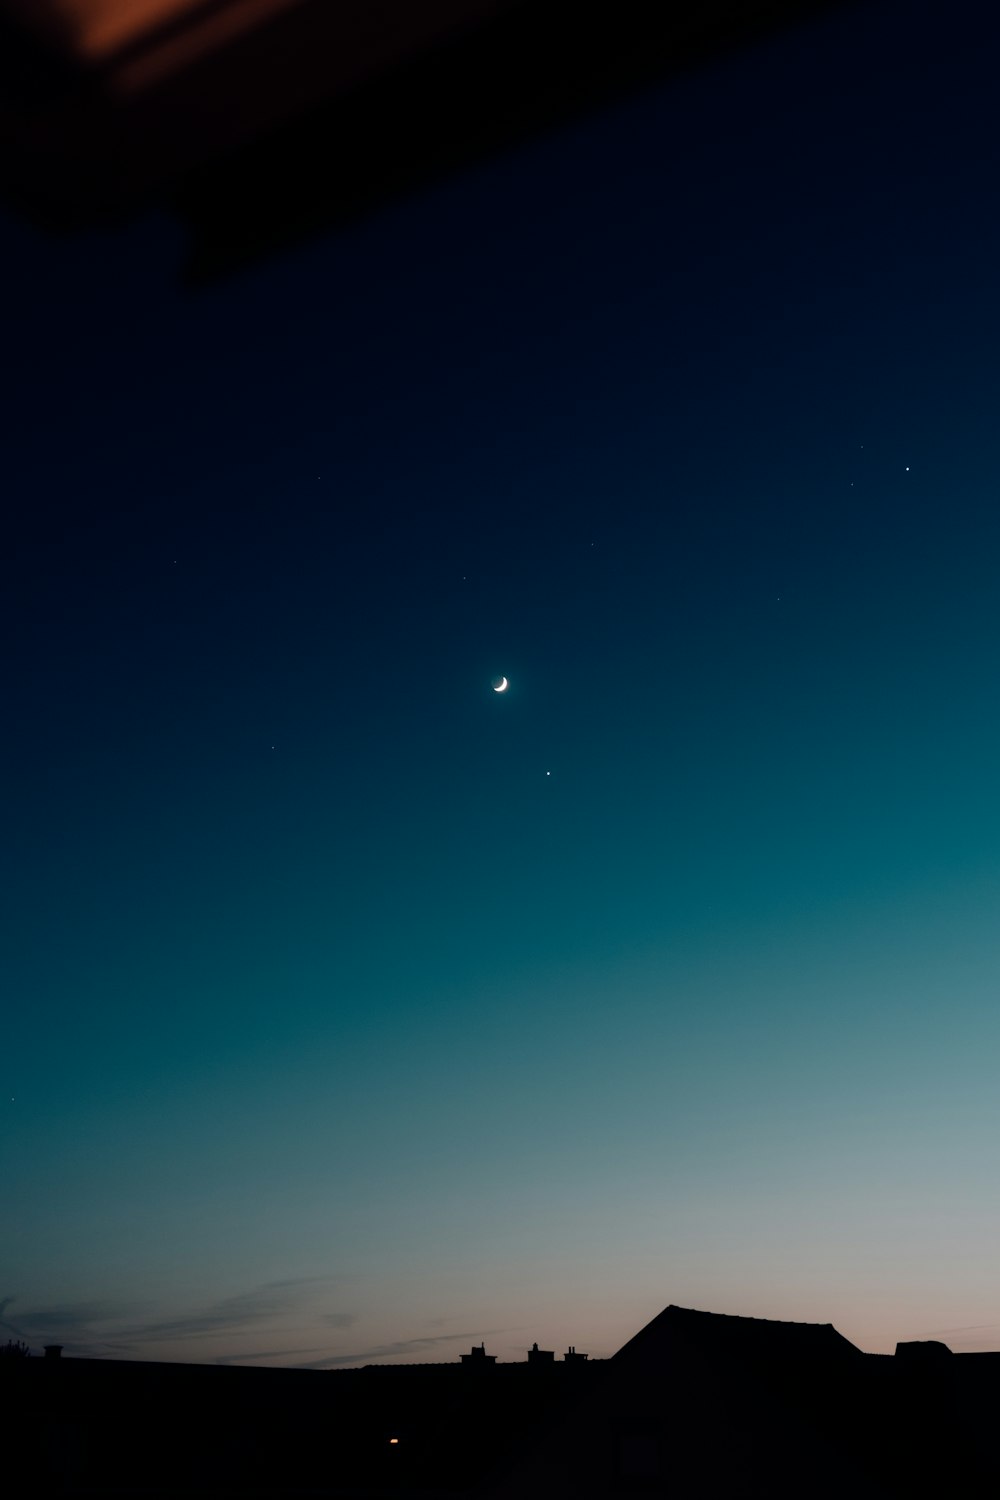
x=695 y=1404
x=477 y=1358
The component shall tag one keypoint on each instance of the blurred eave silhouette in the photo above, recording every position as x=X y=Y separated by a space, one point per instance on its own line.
x=258 y=122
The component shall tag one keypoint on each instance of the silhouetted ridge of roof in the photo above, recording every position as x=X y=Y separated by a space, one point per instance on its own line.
x=685 y=1330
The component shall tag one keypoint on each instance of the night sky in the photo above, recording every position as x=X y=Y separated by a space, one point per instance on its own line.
x=357 y=1011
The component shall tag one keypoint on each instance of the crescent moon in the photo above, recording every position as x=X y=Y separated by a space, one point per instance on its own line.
x=501 y=686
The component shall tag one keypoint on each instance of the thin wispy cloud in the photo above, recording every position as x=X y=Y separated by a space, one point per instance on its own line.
x=75 y=1325
x=273 y=1299
x=339 y=1320
x=66 y=1317
x=106 y=1328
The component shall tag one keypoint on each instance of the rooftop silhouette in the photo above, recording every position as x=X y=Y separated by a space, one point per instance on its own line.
x=695 y=1403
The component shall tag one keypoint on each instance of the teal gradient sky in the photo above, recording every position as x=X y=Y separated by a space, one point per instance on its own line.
x=359 y=1012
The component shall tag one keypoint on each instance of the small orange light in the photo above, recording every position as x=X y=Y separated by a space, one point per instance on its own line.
x=394 y=1440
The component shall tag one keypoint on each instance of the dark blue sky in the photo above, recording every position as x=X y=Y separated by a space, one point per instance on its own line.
x=354 y=1006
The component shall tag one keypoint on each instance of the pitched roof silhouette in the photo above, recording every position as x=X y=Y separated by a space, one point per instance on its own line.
x=685 y=1331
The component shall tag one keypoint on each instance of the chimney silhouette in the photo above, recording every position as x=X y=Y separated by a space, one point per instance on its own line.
x=53 y=1351
x=479 y=1358
x=538 y=1356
